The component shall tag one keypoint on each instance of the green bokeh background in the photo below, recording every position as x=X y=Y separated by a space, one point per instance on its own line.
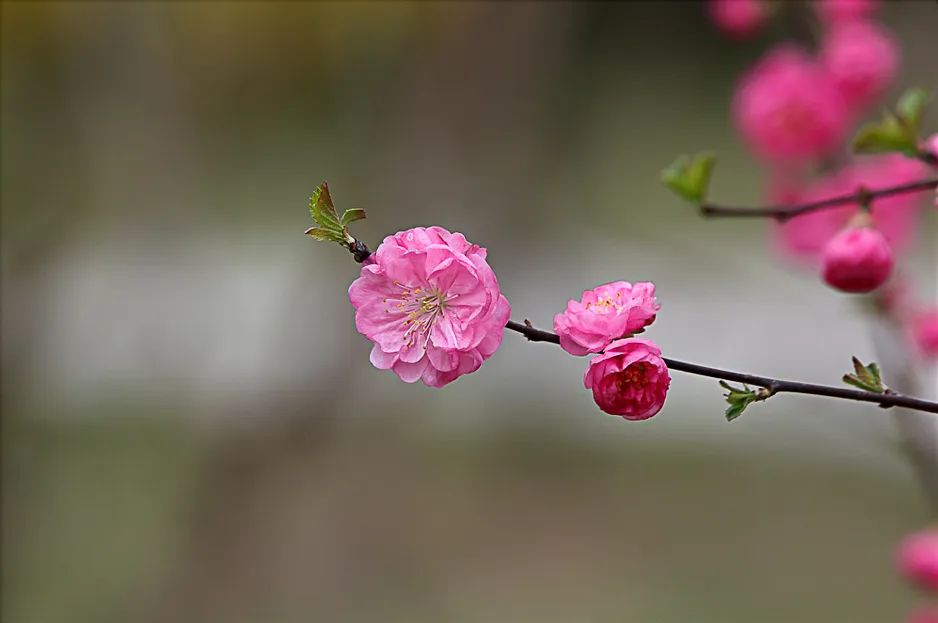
x=191 y=428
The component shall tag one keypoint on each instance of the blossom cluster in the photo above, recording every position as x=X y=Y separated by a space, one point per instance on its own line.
x=432 y=306
x=795 y=110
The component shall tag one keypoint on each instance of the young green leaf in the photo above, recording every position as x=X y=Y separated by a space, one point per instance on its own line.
x=895 y=131
x=865 y=377
x=738 y=399
x=911 y=107
x=689 y=177
x=351 y=215
x=329 y=226
x=321 y=207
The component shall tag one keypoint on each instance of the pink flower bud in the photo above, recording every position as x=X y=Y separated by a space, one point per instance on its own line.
x=925 y=332
x=605 y=313
x=861 y=59
x=737 y=18
x=787 y=108
x=629 y=379
x=804 y=237
x=858 y=259
x=917 y=558
x=431 y=305
x=835 y=11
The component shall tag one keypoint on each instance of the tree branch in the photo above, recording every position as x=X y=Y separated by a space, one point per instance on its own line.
x=784 y=213
x=773 y=386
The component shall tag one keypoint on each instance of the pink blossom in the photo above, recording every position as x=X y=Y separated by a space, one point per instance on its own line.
x=835 y=11
x=788 y=110
x=917 y=558
x=858 y=259
x=925 y=332
x=604 y=314
x=805 y=236
x=737 y=18
x=431 y=304
x=861 y=59
x=629 y=379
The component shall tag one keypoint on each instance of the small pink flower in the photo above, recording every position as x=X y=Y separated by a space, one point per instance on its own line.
x=788 y=110
x=834 y=11
x=858 y=259
x=917 y=558
x=925 y=332
x=861 y=59
x=804 y=237
x=737 y=18
x=629 y=379
x=431 y=304
x=604 y=314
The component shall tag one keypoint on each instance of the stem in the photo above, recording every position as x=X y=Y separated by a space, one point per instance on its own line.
x=774 y=386
x=784 y=213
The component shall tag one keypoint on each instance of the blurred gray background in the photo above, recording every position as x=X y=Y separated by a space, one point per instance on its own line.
x=191 y=427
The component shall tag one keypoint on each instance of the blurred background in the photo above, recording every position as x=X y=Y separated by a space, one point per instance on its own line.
x=191 y=427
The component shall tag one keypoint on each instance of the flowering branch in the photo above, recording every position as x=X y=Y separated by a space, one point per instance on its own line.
x=862 y=196
x=770 y=385
x=417 y=308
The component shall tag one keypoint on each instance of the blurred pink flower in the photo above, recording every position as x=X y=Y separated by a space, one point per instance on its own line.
x=917 y=558
x=925 y=332
x=788 y=110
x=629 y=379
x=927 y=614
x=858 y=259
x=806 y=235
x=604 y=314
x=737 y=18
x=861 y=59
x=834 y=11
x=431 y=304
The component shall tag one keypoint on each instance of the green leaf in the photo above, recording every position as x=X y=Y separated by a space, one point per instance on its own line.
x=911 y=107
x=886 y=135
x=321 y=207
x=329 y=226
x=895 y=131
x=689 y=177
x=351 y=215
x=322 y=234
x=738 y=399
x=865 y=377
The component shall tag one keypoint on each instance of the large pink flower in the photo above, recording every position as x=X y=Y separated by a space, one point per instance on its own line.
x=861 y=59
x=806 y=236
x=629 y=379
x=917 y=558
x=604 y=314
x=431 y=304
x=788 y=110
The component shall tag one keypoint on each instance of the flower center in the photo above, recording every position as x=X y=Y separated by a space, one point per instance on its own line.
x=636 y=375
x=605 y=304
x=422 y=306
